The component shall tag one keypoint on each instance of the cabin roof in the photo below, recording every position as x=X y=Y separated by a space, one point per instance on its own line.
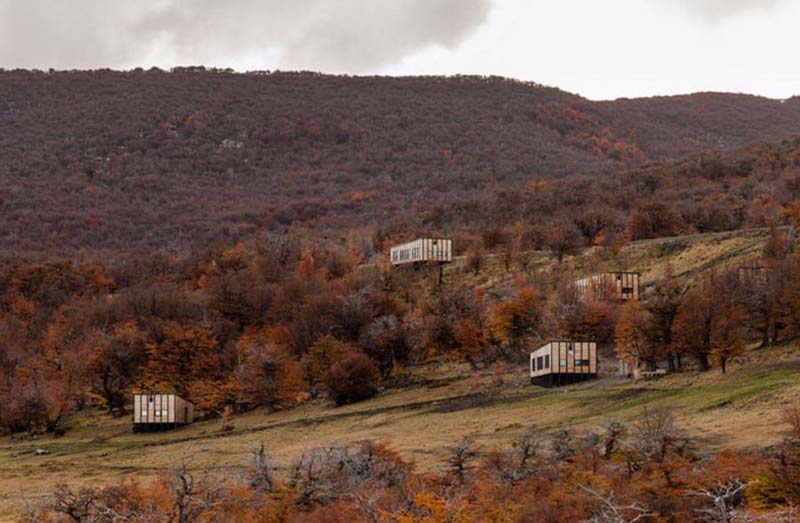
x=154 y=393
x=562 y=341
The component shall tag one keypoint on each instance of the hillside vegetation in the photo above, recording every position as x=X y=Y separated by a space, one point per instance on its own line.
x=224 y=237
x=103 y=162
x=428 y=407
x=742 y=410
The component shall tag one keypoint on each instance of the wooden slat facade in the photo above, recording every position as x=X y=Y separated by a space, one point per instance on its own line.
x=422 y=250
x=609 y=286
x=754 y=275
x=156 y=410
x=563 y=361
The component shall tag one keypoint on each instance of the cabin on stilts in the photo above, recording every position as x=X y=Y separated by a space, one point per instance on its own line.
x=757 y=274
x=609 y=286
x=154 y=411
x=562 y=362
x=422 y=250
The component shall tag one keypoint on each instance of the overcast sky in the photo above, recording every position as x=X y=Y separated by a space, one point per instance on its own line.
x=601 y=49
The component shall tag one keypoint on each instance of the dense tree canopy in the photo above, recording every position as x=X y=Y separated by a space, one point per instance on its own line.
x=112 y=162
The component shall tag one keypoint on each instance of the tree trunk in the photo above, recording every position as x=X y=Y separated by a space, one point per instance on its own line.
x=702 y=359
x=765 y=332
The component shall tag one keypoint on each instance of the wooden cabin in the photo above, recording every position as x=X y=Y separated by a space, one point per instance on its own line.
x=422 y=250
x=756 y=274
x=154 y=411
x=609 y=286
x=562 y=362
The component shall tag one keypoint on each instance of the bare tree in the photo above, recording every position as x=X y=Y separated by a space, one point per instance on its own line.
x=615 y=431
x=521 y=462
x=526 y=447
x=99 y=505
x=307 y=475
x=656 y=436
x=723 y=498
x=77 y=506
x=609 y=511
x=461 y=457
x=192 y=497
x=325 y=474
x=261 y=470
x=563 y=239
x=563 y=445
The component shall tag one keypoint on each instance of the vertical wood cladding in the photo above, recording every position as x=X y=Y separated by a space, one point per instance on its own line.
x=162 y=410
x=422 y=250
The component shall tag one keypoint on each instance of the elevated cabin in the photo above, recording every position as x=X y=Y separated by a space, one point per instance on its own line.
x=562 y=362
x=756 y=274
x=422 y=250
x=154 y=411
x=609 y=286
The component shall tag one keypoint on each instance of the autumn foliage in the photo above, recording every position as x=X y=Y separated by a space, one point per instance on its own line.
x=191 y=165
x=224 y=238
x=276 y=323
x=644 y=471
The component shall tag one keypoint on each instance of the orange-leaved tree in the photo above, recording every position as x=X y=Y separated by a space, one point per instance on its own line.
x=353 y=378
x=631 y=336
x=469 y=339
x=325 y=352
x=709 y=323
x=183 y=355
x=113 y=367
x=266 y=373
x=510 y=322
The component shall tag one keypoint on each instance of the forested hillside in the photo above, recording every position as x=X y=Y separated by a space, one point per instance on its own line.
x=108 y=162
x=224 y=236
x=268 y=338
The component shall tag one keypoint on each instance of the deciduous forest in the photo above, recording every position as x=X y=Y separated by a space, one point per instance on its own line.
x=102 y=162
x=225 y=237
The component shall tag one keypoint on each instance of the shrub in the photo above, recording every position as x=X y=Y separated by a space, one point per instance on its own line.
x=352 y=379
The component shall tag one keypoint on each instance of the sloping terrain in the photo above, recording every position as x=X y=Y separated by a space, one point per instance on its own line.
x=739 y=410
x=443 y=402
x=678 y=256
x=108 y=162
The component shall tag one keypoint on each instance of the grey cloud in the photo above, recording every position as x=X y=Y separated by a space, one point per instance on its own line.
x=342 y=35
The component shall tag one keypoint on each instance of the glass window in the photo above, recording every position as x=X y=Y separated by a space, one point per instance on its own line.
x=546 y=361
x=144 y=413
x=563 y=363
x=539 y=363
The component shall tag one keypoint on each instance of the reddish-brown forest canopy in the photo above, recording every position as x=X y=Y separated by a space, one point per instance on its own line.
x=108 y=162
x=263 y=194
